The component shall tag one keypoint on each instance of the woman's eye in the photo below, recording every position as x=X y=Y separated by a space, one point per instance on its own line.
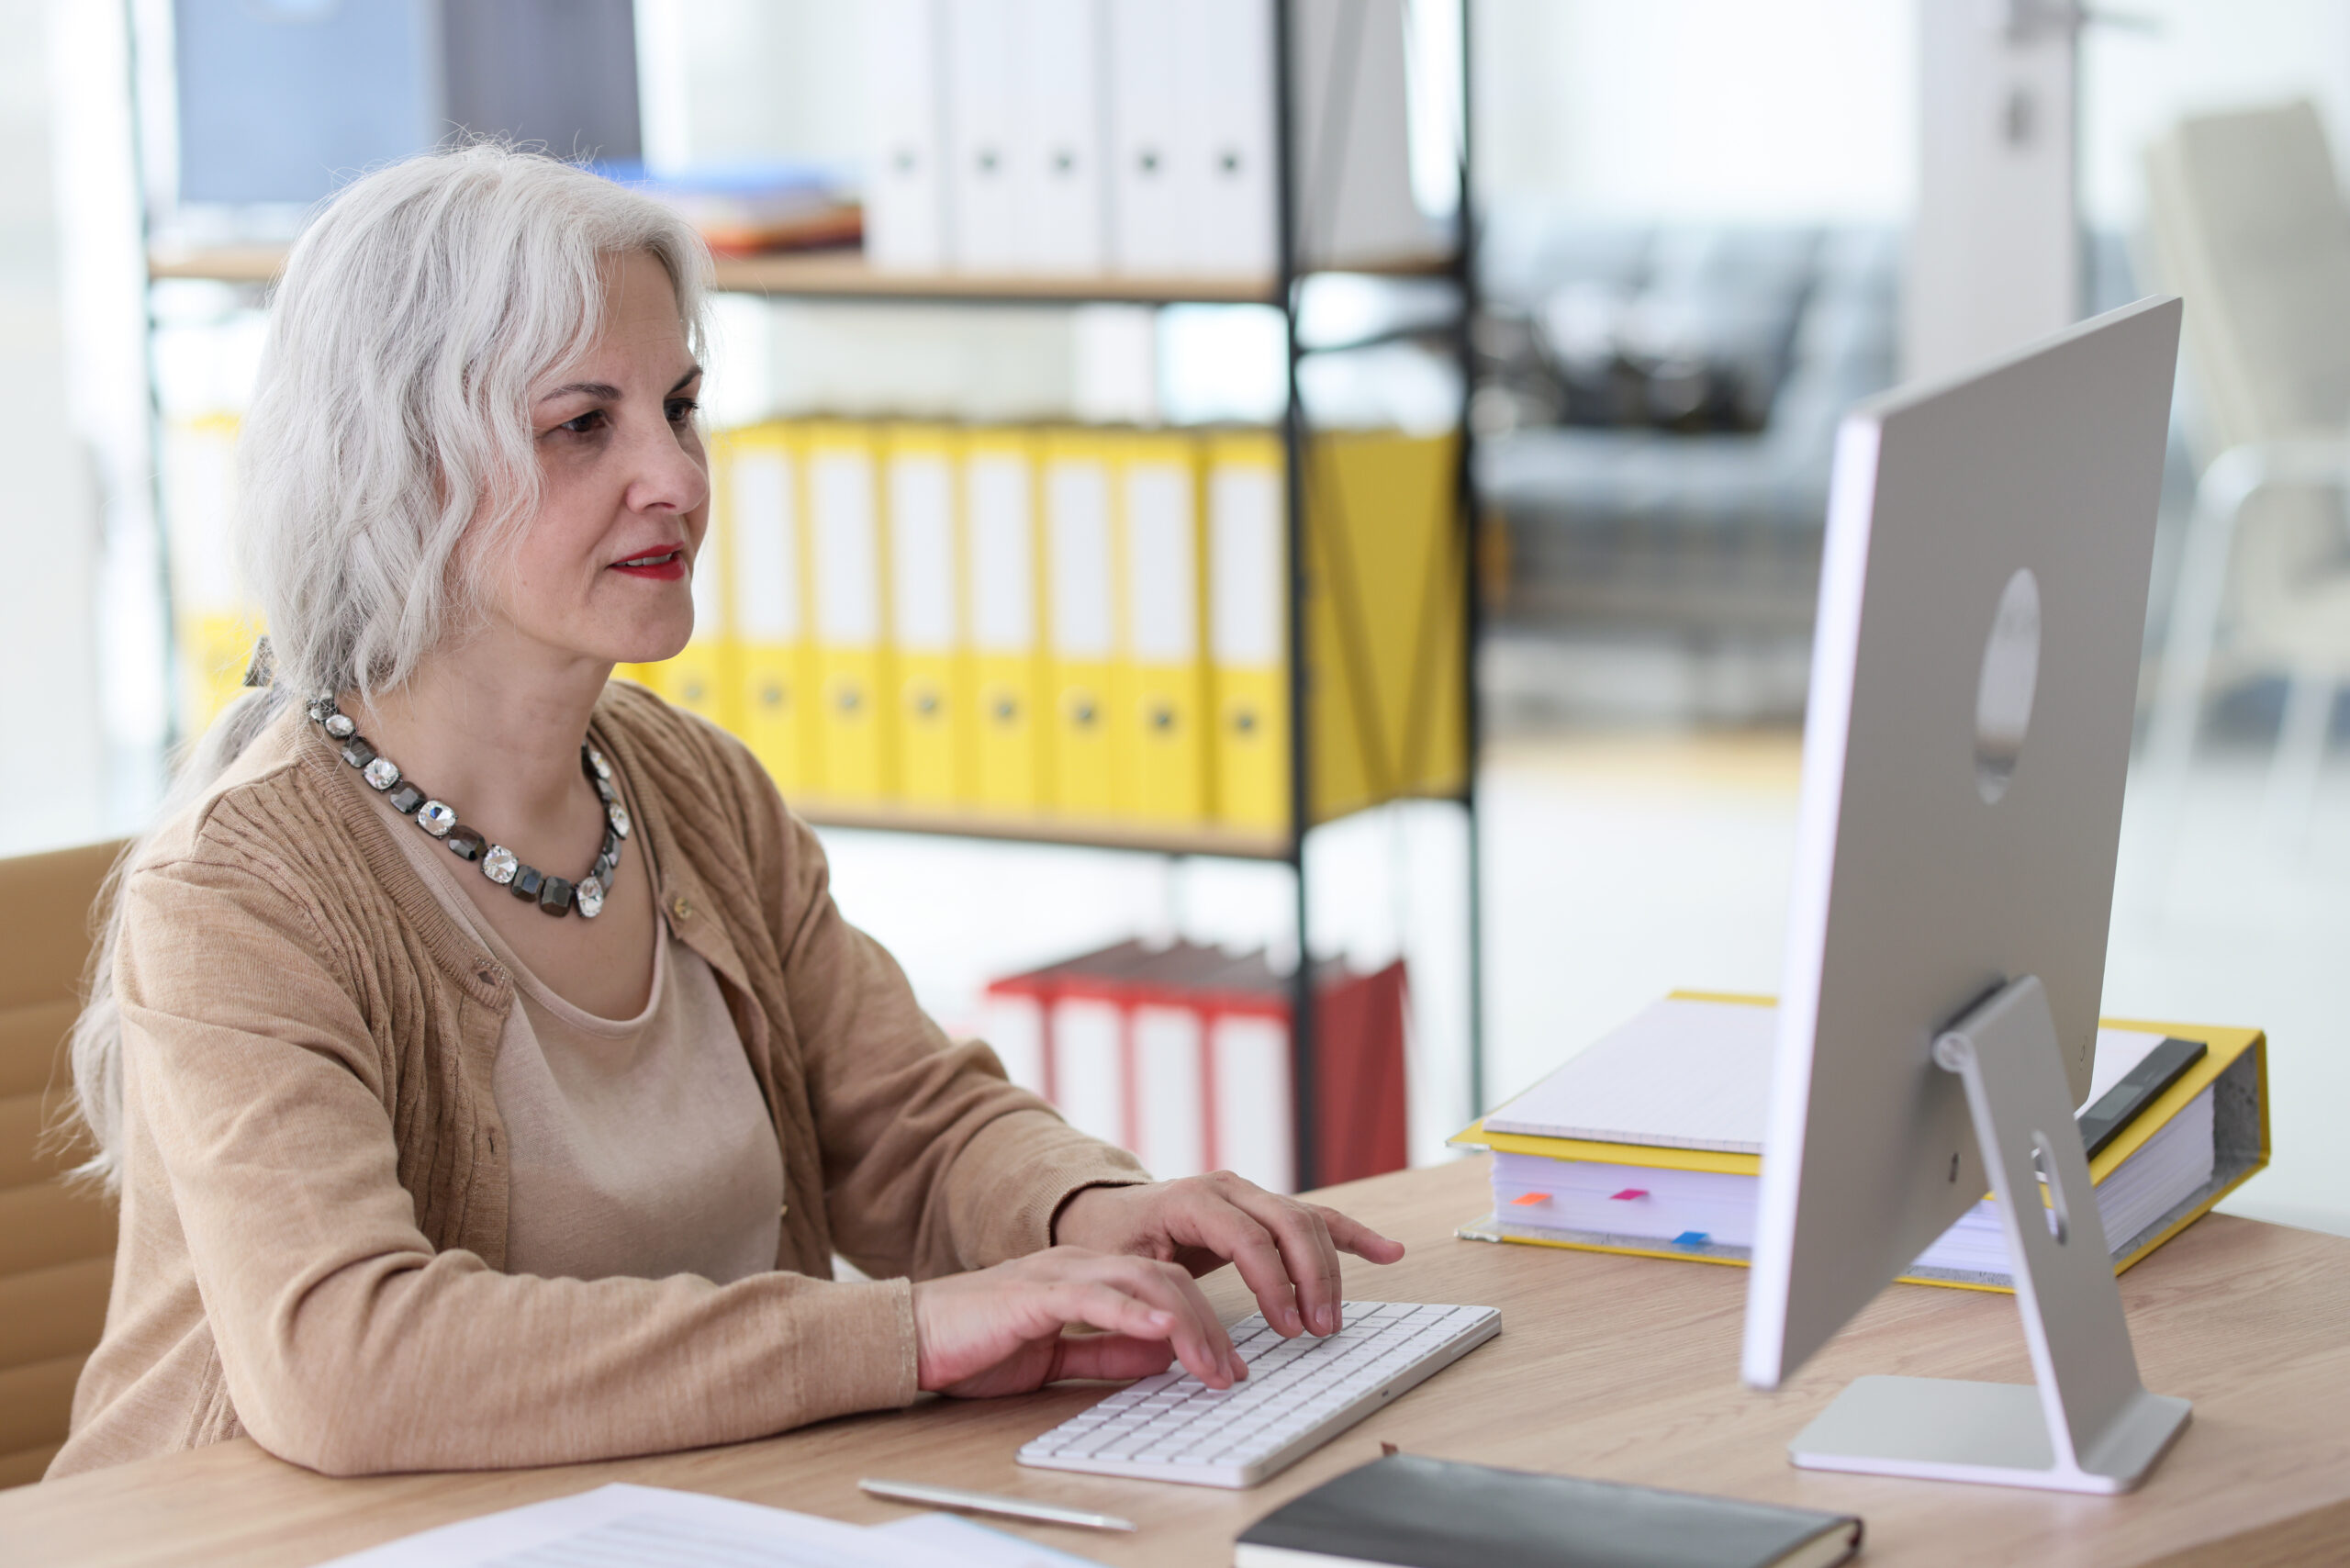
x=585 y=424
x=681 y=410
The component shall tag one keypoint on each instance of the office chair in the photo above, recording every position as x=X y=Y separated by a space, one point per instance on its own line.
x=56 y=1242
x=2246 y=219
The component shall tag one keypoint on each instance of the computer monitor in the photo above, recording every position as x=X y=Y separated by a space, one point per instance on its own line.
x=1975 y=669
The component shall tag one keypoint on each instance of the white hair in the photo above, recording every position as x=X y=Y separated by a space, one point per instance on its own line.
x=390 y=424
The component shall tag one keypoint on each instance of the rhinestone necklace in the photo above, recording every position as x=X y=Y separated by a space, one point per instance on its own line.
x=553 y=894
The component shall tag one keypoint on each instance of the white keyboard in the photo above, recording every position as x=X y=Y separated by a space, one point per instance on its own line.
x=1299 y=1395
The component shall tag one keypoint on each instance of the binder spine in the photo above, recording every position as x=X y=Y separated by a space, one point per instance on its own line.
x=1058 y=174
x=1082 y=607
x=763 y=489
x=700 y=678
x=1005 y=586
x=1147 y=198
x=1225 y=139
x=906 y=202
x=844 y=507
x=983 y=78
x=1163 y=698
x=1247 y=633
x=929 y=665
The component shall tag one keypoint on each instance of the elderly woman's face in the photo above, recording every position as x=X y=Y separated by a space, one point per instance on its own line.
x=605 y=567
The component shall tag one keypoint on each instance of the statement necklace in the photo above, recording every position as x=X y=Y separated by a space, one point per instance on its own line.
x=552 y=894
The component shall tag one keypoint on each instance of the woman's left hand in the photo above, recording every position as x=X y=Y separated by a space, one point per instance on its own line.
x=1287 y=1251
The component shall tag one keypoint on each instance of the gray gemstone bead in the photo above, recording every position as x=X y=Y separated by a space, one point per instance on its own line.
x=589 y=898
x=382 y=773
x=436 y=818
x=341 y=725
x=499 y=865
x=619 y=816
x=320 y=706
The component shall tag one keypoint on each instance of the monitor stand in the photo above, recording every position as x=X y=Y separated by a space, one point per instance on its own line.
x=2089 y=1426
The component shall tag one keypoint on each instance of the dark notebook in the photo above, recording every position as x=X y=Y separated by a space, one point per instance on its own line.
x=1409 y=1512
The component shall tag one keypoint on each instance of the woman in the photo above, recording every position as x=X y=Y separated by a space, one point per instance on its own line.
x=487 y=1073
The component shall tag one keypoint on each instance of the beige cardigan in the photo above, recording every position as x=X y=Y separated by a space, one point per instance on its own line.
x=314 y=1204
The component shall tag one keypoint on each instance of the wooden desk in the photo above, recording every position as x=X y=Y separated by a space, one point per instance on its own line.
x=1619 y=1368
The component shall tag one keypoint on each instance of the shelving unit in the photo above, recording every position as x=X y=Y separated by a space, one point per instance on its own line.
x=1224 y=842
x=844 y=275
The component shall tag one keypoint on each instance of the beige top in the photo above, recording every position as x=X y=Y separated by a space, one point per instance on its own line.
x=317 y=1173
x=641 y=1146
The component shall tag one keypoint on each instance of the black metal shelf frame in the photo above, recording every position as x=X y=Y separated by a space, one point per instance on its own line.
x=1304 y=1074
x=1292 y=272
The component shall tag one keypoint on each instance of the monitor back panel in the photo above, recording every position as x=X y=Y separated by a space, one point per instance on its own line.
x=1938 y=857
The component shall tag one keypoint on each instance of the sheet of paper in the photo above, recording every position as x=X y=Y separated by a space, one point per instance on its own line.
x=644 y=1527
x=950 y=1537
x=1679 y=1075
x=1685 y=1074
x=2117 y=1050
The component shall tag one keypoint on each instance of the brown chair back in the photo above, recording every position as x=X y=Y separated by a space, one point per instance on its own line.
x=56 y=1243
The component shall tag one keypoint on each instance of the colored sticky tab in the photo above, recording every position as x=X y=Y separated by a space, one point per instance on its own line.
x=1628 y=1193
x=1691 y=1238
x=1524 y=1199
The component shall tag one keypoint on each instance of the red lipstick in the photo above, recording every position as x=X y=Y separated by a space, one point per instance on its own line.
x=659 y=565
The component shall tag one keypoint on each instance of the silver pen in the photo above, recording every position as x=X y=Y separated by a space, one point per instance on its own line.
x=989 y=1503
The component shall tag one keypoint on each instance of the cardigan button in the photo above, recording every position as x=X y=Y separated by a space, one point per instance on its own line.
x=682 y=907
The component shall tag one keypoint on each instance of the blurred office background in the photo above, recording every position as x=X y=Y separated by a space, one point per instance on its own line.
x=1705 y=227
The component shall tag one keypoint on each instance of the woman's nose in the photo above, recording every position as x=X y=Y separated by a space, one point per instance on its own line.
x=669 y=475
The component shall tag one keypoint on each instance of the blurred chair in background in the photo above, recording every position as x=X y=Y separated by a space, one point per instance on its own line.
x=1656 y=410
x=2247 y=221
x=56 y=1242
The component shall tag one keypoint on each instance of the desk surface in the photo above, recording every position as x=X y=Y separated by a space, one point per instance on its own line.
x=1624 y=1369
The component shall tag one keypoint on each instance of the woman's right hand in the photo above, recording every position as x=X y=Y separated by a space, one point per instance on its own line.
x=997 y=1330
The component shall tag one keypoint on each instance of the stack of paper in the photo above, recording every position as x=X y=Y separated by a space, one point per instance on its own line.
x=1651 y=1142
